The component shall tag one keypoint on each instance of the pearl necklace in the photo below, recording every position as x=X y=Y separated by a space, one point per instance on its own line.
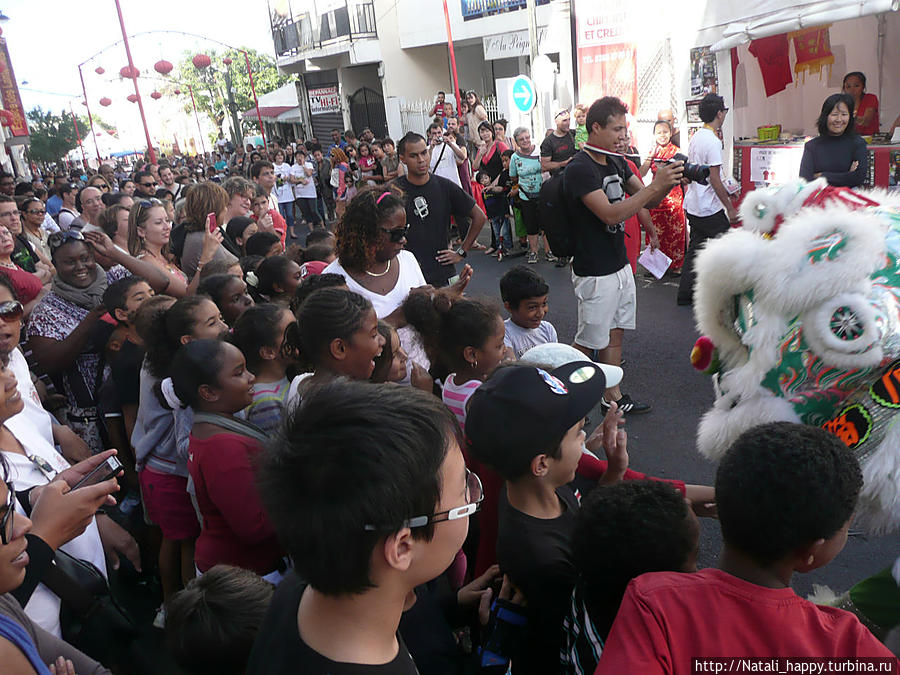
x=380 y=274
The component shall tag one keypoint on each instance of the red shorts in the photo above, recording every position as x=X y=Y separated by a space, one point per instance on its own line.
x=168 y=504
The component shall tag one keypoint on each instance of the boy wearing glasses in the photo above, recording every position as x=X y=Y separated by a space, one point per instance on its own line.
x=360 y=551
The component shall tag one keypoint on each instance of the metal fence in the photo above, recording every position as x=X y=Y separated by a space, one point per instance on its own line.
x=414 y=114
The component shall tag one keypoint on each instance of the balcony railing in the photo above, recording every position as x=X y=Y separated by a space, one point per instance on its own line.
x=475 y=9
x=306 y=32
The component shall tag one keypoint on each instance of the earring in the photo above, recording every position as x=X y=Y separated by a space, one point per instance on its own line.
x=474 y=364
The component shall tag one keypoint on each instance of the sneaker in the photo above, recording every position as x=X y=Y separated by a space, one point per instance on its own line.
x=500 y=255
x=549 y=257
x=160 y=620
x=532 y=258
x=627 y=406
x=562 y=262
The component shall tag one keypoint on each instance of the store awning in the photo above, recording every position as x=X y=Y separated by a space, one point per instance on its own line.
x=268 y=113
x=742 y=22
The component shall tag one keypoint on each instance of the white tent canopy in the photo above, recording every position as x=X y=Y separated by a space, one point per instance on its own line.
x=740 y=21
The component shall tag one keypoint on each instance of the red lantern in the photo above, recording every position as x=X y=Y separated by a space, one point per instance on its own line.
x=99 y=70
x=132 y=98
x=129 y=72
x=177 y=91
x=163 y=67
x=155 y=95
x=227 y=61
x=105 y=101
x=111 y=132
x=201 y=61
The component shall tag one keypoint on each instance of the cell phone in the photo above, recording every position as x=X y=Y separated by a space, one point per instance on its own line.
x=111 y=467
x=213 y=225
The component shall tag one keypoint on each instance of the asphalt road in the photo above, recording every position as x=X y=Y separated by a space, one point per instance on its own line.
x=662 y=442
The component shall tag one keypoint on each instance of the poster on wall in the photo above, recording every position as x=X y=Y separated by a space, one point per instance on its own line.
x=324 y=100
x=606 y=54
x=9 y=92
x=704 y=75
x=774 y=166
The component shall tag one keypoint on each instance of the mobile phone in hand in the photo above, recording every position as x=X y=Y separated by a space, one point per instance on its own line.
x=213 y=225
x=111 y=467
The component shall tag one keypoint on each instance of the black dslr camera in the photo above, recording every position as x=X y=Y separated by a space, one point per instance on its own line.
x=693 y=173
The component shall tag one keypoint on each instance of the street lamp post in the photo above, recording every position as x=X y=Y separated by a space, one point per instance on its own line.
x=137 y=91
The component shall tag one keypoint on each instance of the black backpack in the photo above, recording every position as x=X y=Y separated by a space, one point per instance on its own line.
x=554 y=216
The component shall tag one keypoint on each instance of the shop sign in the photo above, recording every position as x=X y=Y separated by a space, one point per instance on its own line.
x=510 y=45
x=324 y=100
x=606 y=53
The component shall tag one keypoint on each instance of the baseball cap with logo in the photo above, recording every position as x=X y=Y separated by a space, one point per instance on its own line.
x=523 y=408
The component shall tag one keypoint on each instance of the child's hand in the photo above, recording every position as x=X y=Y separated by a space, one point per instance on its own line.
x=478 y=591
x=614 y=442
x=420 y=379
x=702 y=499
x=456 y=290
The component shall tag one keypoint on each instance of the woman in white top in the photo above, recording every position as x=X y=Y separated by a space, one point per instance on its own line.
x=370 y=241
x=284 y=191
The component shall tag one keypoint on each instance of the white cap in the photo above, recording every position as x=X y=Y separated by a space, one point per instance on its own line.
x=556 y=354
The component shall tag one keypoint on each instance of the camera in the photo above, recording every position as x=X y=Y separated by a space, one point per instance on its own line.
x=693 y=173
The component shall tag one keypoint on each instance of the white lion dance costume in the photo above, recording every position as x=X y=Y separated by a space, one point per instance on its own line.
x=800 y=316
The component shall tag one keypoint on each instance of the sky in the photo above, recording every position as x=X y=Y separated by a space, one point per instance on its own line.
x=47 y=39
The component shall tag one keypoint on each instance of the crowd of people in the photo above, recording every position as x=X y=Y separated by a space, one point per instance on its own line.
x=334 y=461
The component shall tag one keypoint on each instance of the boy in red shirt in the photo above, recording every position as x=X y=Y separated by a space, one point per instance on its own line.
x=785 y=494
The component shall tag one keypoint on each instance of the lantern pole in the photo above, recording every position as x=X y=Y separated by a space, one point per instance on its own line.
x=90 y=118
x=78 y=136
x=197 y=117
x=262 y=129
x=137 y=91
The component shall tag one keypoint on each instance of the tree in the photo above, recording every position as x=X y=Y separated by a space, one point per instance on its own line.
x=210 y=87
x=52 y=136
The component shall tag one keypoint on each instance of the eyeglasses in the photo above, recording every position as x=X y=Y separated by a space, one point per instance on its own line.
x=11 y=310
x=396 y=235
x=57 y=239
x=153 y=184
x=6 y=522
x=41 y=211
x=474 y=497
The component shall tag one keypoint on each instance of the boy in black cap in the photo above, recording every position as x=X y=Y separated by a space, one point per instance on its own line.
x=527 y=424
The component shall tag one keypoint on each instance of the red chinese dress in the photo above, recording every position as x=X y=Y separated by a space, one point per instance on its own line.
x=668 y=217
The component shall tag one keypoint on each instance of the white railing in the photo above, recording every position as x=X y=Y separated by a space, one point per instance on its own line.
x=414 y=114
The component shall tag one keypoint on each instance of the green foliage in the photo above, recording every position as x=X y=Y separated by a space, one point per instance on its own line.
x=53 y=136
x=210 y=88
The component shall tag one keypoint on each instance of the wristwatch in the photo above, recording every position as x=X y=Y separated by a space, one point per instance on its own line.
x=461 y=252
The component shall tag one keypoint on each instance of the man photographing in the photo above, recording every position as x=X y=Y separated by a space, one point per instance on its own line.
x=595 y=183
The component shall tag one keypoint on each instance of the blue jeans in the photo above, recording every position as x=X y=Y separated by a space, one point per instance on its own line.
x=502 y=232
x=287 y=212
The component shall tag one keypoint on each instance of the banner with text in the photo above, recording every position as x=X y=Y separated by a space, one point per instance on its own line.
x=607 y=56
x=9 y=93
x=324 y=100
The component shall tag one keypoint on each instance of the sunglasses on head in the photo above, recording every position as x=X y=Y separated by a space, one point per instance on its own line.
x=57 y=239
x=397 y=234
x=11 y=310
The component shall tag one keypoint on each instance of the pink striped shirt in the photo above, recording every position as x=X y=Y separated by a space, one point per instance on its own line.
x=455 y=397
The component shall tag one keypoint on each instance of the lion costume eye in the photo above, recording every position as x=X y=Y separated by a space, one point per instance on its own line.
x=844 y=331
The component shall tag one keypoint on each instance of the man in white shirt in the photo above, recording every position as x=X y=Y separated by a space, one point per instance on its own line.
x=708 y=207
x=303 y=176
x=446 y=153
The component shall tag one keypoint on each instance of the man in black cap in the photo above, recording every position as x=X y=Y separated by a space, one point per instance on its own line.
x=526 y=423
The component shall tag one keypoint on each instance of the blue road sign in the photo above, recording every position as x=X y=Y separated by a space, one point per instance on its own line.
x=523 y=95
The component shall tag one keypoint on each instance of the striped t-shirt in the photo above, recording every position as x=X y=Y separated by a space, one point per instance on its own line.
x=455 y=397
x=267 y=407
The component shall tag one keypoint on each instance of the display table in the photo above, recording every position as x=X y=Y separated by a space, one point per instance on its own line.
x=757 y=164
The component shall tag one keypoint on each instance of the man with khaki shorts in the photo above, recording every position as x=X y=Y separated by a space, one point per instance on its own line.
x=595 y=184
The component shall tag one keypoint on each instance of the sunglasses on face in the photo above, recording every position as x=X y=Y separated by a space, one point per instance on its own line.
x=153 y=184
x=11 y=310
x=6 y=522
x=397 y=234
x=41 y=211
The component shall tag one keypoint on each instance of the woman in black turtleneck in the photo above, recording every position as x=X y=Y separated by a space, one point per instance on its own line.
x=838 y=153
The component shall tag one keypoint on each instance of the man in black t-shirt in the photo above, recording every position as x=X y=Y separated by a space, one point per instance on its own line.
x=595 y=184
x=430 y=201
x=558 y=148
x=377 y=472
